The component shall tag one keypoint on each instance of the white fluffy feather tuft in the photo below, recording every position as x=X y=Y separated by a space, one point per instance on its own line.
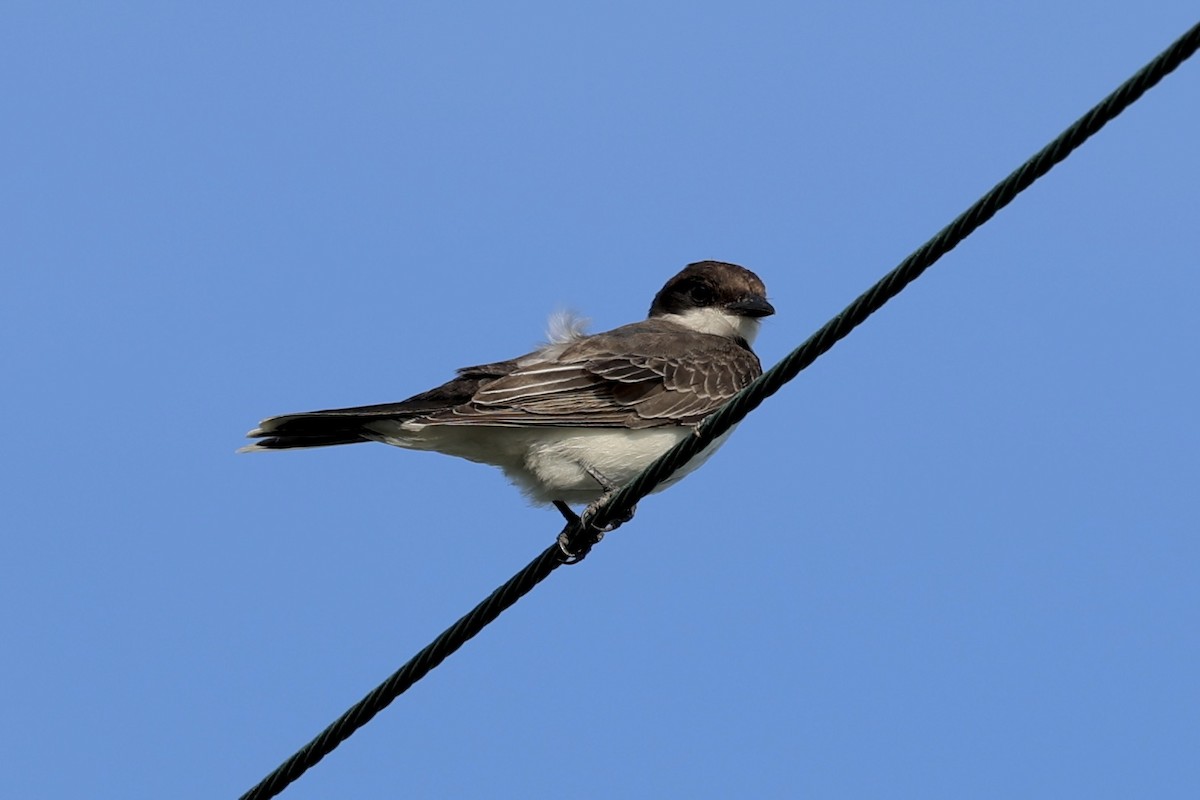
x=565 y=327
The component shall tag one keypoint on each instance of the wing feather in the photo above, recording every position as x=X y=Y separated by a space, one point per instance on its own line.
x=648 y=374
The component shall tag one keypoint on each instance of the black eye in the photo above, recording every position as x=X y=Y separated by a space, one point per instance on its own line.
x=701 y=294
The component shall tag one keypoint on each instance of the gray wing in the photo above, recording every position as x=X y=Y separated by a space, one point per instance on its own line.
x=644 y=375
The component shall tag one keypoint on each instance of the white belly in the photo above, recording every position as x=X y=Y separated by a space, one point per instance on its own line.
x=551 y=463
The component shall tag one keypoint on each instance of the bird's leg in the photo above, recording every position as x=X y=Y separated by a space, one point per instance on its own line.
x=568 y=513
x=575 y=551
x=609 y=488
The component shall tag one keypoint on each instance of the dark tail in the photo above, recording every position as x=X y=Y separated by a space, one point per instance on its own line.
x=348 y=425
x=323 y=428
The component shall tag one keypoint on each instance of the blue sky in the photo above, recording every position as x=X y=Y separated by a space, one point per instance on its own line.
x=956 y=558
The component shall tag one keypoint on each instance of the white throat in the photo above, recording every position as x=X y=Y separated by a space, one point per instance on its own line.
x=717 y=322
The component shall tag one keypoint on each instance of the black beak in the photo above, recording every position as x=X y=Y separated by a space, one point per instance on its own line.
x=752 y=305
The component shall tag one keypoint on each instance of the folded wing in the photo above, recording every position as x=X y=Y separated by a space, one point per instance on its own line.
x=609 y=380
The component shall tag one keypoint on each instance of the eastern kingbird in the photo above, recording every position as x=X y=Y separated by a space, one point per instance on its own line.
x=582 y=415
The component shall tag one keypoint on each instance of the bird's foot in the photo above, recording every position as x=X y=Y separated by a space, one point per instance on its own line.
x=573 y=545
x=590 y=512
x=610 y=488
x=579 y=535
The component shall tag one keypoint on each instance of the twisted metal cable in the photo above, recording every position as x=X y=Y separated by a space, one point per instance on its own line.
x=417 y=667
x=579 y=535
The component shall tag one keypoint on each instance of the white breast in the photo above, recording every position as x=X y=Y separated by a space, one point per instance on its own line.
x=552 y=463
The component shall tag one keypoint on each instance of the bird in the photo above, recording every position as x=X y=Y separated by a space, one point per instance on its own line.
x=582 y=415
